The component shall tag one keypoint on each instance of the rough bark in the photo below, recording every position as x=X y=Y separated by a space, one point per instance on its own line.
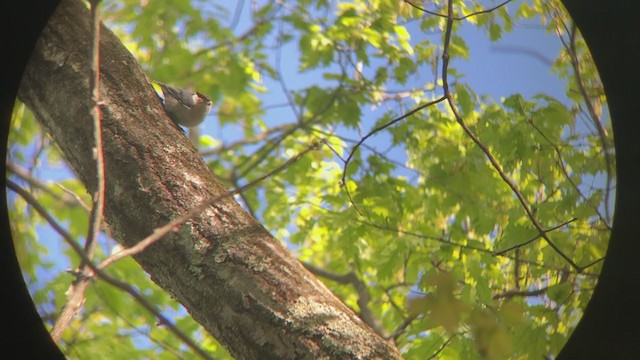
x=233 y=277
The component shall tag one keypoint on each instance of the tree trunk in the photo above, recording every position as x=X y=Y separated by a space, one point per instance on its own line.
x=233 y=277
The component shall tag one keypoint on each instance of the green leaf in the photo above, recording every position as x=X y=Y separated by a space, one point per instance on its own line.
x=559 y=292
x=495 y=31
x=458 y=47
x=464 y=98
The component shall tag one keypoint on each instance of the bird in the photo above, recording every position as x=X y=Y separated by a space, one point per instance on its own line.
x=185 y=107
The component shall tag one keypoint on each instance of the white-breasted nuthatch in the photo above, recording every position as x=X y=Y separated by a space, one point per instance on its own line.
x=185 y=107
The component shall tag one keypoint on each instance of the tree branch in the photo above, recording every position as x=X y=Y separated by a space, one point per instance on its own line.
x=402 y=327
x=525 y=293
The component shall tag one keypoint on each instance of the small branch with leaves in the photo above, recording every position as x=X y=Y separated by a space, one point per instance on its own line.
x=485 y=149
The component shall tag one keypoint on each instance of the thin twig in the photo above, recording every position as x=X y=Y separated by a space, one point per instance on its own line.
x=236 y=15
x=373 y=132
x=137 y=329
x=77 y=288
x=334 y=151
x=97 y=211
x=571 y=50
x=162 y=319
x=241 y=37
x=368 y=147
x=77 y=198
x=37 y=183
x=439 y=239
x=525 y=51
x=37 y=153
x=425 y=10
x=435 y=354
x=523 y=293
x=517 y=246
x=73 y=305
x=484 y=11
x=280 y=77
x=527 y=293
x=56 y=227
x=593 y=262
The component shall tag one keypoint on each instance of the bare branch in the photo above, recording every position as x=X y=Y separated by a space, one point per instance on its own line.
x=280 y=78
x=240 y=37
x=52 y=222
x=425 y=10
x=594 y=262
x=439 y=239
x=40 y=147
x=564 y=276
x=77 y=289
x=236 y=183
x=97 y=212
x=484 y=11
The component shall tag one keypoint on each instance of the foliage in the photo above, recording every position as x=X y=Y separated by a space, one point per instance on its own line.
x=419 y=215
